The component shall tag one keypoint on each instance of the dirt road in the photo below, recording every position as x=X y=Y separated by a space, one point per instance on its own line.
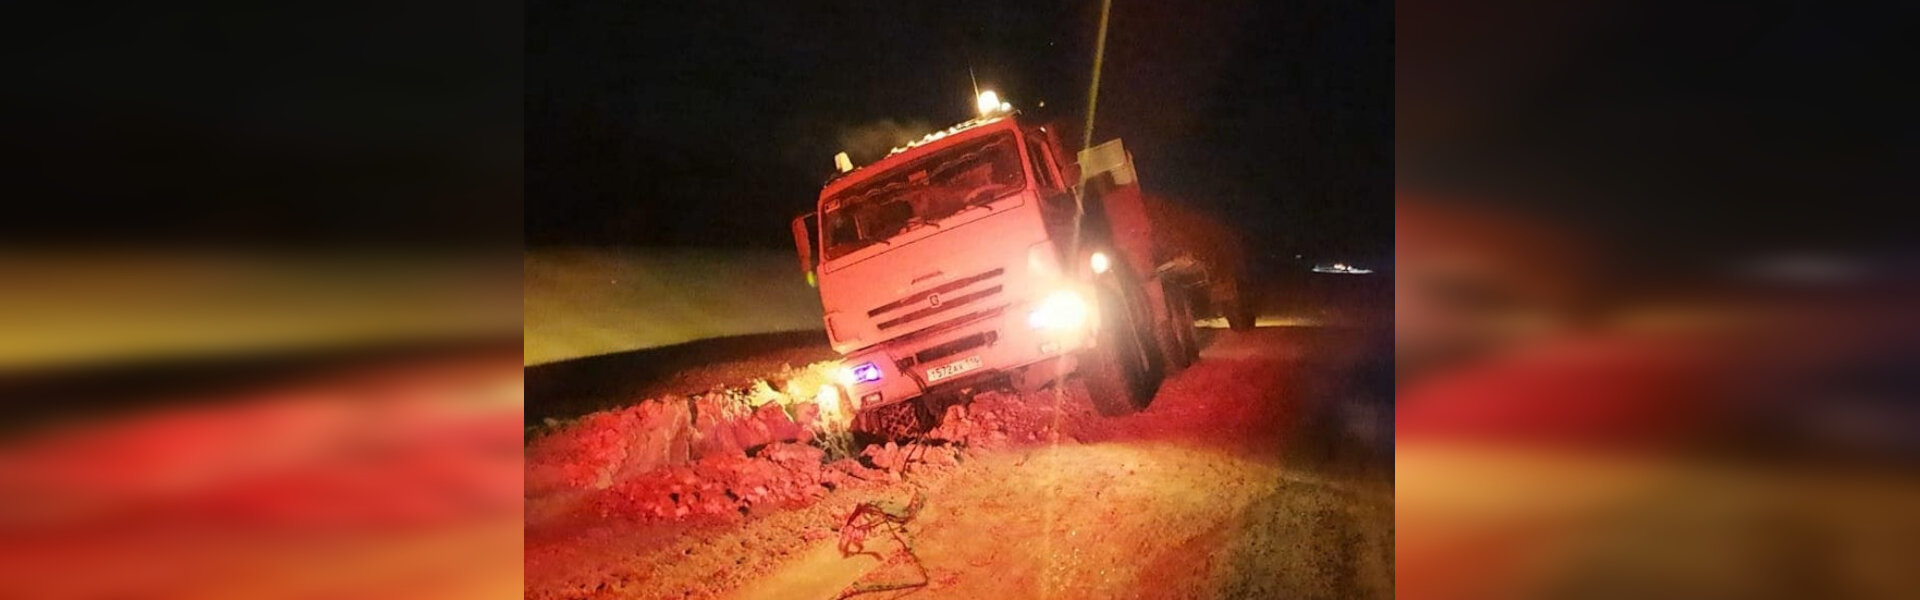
x=1262 y=471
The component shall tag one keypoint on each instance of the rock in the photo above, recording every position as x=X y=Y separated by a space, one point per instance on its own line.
x=856 y=470
x=955 y=426
x=944 y=456
x=888 y=457
x=794 y=455
x=604 y=447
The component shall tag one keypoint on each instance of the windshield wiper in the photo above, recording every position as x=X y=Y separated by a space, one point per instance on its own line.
x=986 y=205
x=915 y=225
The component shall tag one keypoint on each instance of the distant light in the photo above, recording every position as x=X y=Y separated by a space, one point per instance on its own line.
x=843 y=162
x=1099 y=262
x=1342 y=269
x=988 y=102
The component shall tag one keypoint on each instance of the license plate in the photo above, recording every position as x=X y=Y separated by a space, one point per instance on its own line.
x=953 y=368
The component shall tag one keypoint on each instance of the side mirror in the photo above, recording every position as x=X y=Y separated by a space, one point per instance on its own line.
x=804 y=228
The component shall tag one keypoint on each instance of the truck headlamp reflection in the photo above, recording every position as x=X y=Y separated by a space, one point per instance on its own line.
x=1060 y=311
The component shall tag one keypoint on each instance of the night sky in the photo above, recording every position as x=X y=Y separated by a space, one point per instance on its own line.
x=265 y=125
x=1681 y=131
x=713 y=124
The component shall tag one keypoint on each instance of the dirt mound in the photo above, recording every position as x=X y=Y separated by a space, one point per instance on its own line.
x=784 y=474
x=604 y=448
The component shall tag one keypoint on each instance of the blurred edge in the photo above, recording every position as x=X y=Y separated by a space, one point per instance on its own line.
x=1654 y=291
x=260 y=301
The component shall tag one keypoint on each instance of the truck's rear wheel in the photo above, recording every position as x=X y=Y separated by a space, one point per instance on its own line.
x=1120 y=373
x=1239 y=311
x=1240 y=319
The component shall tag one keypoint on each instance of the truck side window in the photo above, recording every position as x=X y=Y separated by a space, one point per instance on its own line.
x=1056 y=203
x=1042 y=170
x=841 y=228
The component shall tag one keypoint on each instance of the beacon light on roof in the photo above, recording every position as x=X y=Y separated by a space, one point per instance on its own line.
x=989 y=103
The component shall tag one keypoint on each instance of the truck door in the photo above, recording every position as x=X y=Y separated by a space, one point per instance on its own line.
x=1056 y=200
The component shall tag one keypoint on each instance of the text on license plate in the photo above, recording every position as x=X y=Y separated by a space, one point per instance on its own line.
x=953 y=368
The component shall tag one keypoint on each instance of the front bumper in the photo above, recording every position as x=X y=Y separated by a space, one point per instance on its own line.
x=1001 y=343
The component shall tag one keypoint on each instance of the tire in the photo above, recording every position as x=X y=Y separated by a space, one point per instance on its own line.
x=1120 y=373
x=1177 y=346
x=1239 y=311
x=1189 y=335
x=1240 y=319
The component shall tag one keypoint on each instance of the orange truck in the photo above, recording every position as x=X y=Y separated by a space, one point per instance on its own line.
x=986 y=255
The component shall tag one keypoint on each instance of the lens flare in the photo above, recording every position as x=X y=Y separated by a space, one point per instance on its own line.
x=1063 y=310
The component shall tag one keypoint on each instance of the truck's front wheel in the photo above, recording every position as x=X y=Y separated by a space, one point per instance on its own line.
x=1119 y=373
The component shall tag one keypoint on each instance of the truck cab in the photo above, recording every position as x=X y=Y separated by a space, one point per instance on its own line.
x=979 y=253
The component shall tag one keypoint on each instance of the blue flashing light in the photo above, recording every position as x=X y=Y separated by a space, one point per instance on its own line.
x=866 y=372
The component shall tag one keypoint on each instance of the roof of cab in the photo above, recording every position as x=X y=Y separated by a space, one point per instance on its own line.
x=955 y=134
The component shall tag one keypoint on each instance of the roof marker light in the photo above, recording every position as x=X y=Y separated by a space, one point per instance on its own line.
x=988 y=102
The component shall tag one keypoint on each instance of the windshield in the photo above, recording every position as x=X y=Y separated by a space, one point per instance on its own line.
x=921 y=192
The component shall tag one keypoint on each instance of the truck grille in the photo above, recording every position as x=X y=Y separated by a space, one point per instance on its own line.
x=953 y=303
x=951 y=324
x=930 y=305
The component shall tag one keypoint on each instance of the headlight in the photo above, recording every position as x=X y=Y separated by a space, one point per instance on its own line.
x=1099 y=262
x=1060 y=310
x=862 y=373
